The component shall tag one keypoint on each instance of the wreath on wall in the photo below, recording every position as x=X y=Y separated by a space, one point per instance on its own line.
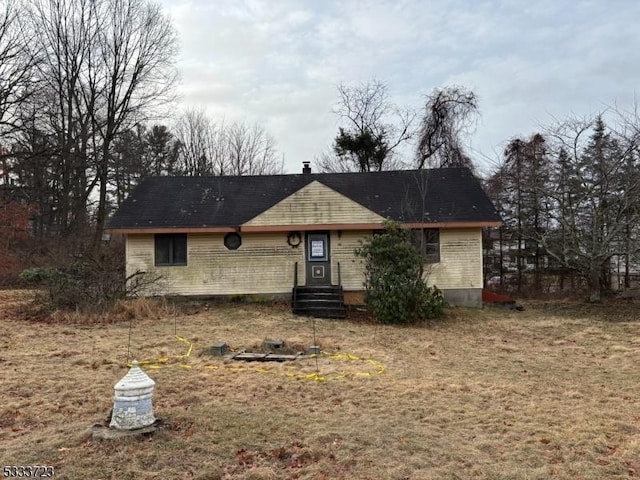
x=294 y=239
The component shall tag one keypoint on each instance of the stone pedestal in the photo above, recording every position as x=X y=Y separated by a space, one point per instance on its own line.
x=219 y=349
x=132 y=408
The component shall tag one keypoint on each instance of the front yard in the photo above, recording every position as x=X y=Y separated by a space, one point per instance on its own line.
x=551 y=392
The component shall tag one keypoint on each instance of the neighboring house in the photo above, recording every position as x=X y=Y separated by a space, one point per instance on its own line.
x=263 y=235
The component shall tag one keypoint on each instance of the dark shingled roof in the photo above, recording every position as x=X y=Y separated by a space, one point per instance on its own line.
x=436 y=195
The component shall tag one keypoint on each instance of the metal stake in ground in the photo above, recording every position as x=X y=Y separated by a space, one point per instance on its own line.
x=315 y=343
x=129 y=345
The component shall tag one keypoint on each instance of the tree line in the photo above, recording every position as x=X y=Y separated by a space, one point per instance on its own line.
x=77 y=74
x=80 y=103
x=569 y=195
x=84 y=84
x=81 y=82
x=570 y=199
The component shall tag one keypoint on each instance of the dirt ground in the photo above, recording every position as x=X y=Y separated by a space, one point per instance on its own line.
x=551 y=392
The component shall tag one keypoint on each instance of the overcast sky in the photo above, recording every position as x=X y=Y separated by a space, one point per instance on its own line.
x=278 y=62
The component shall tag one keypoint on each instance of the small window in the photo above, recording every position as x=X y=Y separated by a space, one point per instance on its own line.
x=232 y=241
x=428 y=241
x=171 y=249
x=317 y=248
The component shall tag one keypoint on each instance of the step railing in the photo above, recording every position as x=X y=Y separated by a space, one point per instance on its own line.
x=294 y=294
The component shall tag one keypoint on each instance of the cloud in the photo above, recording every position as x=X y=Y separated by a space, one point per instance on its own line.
x=279 y=61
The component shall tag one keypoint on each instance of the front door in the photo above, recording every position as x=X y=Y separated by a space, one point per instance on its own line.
x=318 y=260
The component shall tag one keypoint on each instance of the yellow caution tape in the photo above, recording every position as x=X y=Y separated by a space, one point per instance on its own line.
x=188 y=343
x=307 y=376
x=161 y=362
x=157 y=363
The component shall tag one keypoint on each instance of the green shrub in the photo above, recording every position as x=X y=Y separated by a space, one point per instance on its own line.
x=395 y=289
x=37 y=275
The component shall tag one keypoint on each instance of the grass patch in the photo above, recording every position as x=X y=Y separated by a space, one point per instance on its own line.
x=492 y=394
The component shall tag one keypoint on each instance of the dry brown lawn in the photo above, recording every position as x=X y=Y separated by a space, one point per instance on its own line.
x=552 y=392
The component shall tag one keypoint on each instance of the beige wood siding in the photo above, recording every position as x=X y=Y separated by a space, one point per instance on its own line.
x=460 y=260
x=343 y=251
x=139 y=253
x=315 y=204
x=263 y=264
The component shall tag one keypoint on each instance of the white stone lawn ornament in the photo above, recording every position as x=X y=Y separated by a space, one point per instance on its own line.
x=132 y=407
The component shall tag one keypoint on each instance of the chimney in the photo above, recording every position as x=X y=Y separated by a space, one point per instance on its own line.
x=306 y=168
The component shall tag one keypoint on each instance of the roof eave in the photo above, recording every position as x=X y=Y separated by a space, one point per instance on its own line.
x=300 y=227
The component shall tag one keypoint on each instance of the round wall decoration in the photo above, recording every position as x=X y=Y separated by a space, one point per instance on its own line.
x=232 y=241
x=294 y=239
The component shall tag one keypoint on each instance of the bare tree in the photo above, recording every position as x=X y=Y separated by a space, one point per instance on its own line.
x=17 y=63
x=67 y=31
x=131 y=72
x=208 y=148
x=593 y=199
x=328 y=162
x=449 y=114
x=16 y=83
x=372 y=129
x=202 y=149
x=103 y=66
x=252 y=151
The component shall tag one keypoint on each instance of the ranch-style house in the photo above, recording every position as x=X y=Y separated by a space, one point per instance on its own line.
x=294 y=236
